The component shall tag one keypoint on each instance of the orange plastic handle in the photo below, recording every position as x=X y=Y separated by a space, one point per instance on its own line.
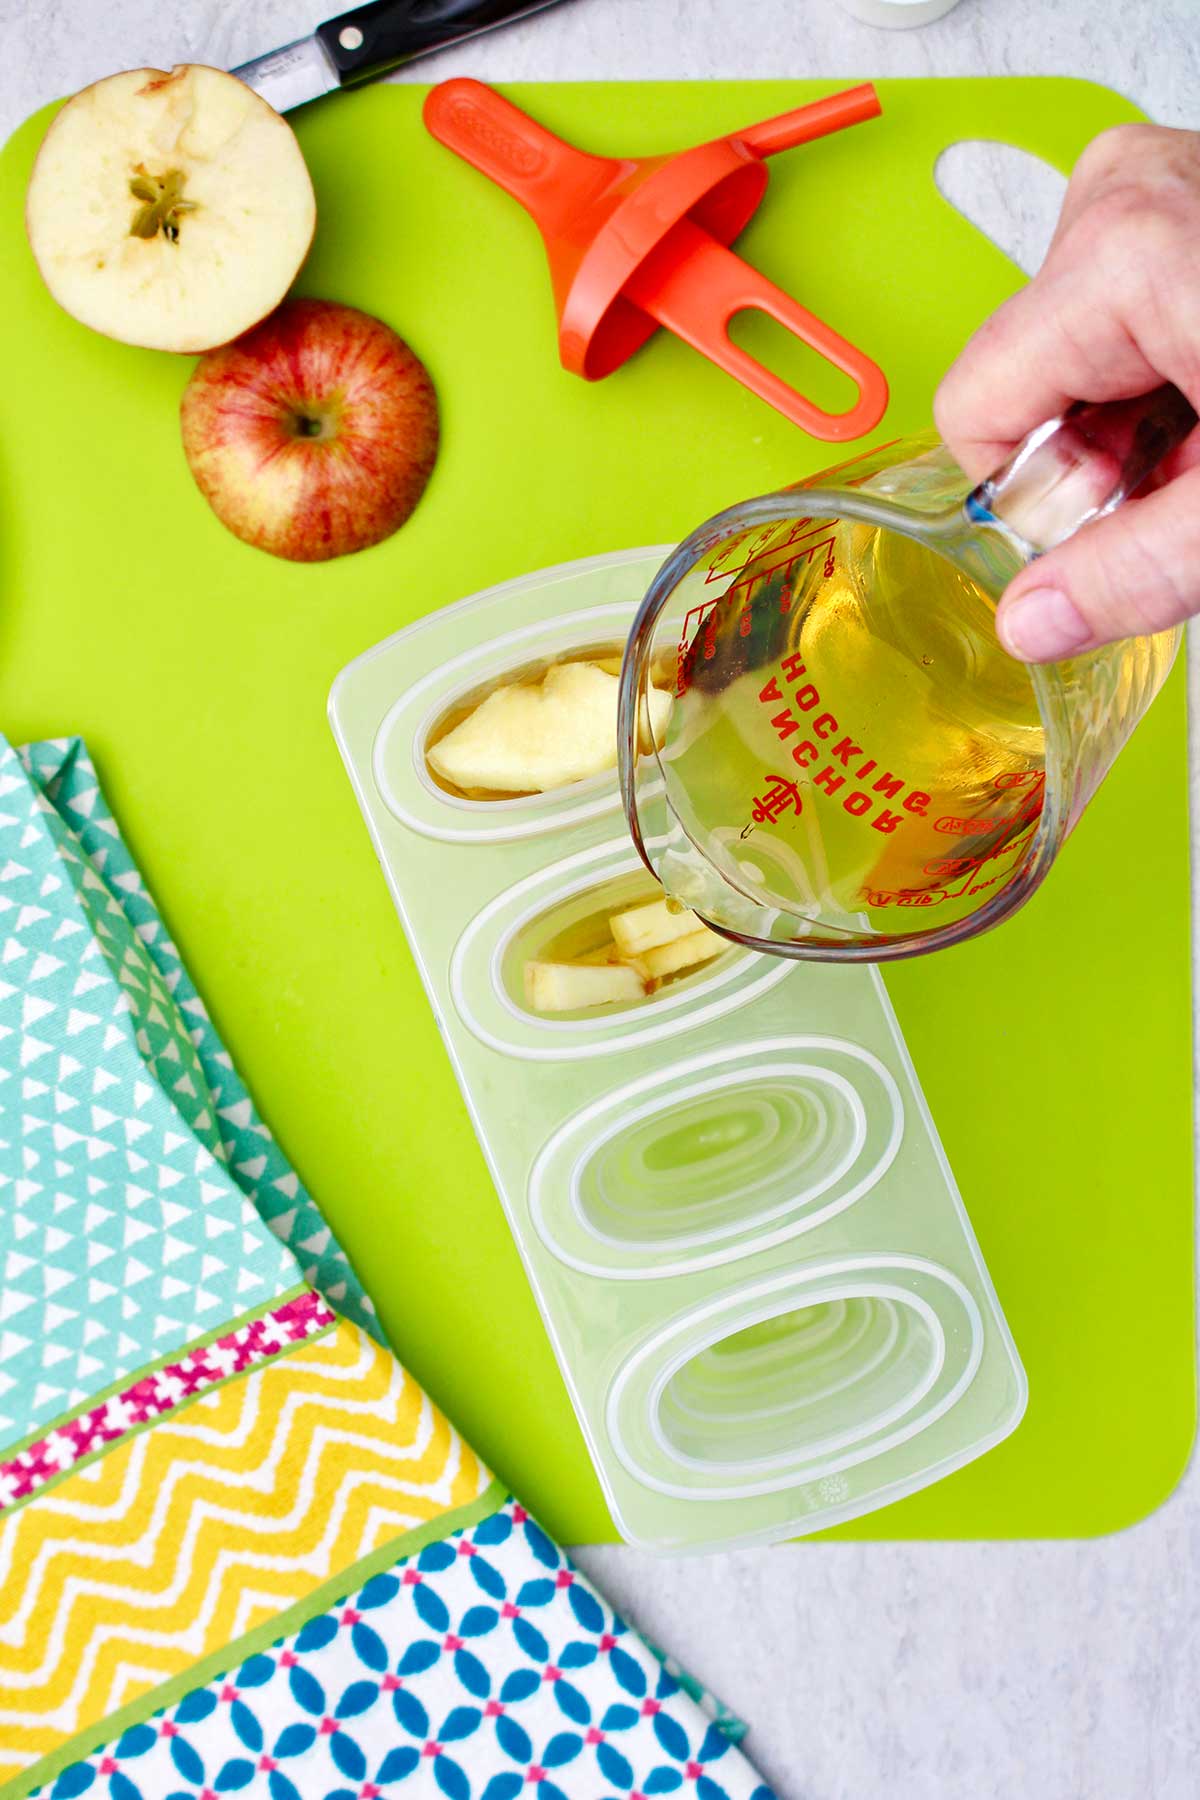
x=694 y=286
x=851 y=107
x=549 y=178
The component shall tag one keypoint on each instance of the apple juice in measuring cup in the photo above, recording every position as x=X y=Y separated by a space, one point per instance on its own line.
x=852 y=762
x=846 y=713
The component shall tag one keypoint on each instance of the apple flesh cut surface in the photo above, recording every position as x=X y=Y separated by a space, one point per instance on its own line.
x=169 y=210
x=526 y=739
x=315 y=434
x=682 y=953
x=569 y=987
x=646 y=927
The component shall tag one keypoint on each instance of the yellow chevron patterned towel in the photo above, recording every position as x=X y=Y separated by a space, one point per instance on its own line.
x=240 y=1550
x=242 y=1510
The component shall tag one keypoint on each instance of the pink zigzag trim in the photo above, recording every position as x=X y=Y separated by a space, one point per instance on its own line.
x=159 y=1393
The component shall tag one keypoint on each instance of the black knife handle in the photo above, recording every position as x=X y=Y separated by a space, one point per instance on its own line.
x=371 y=39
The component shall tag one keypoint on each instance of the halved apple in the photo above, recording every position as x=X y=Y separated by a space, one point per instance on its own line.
x=169 y=210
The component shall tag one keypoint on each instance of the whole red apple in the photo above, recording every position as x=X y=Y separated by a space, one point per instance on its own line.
x=314 y=434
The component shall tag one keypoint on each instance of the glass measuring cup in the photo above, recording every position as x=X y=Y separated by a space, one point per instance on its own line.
x=853 y=768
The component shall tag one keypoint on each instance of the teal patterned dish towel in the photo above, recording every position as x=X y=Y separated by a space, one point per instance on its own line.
x=162 y=1074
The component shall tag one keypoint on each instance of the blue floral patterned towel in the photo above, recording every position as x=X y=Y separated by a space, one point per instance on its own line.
x=484 y=1668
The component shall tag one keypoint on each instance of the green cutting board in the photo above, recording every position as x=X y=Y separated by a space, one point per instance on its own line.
x=1056 y=1054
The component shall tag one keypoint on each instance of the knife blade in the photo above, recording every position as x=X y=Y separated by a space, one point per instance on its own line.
x=359 y=45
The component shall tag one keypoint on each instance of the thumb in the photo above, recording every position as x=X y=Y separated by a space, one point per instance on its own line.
x=1137 y=571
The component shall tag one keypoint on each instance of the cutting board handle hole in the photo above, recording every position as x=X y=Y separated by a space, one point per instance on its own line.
x=1010 y=195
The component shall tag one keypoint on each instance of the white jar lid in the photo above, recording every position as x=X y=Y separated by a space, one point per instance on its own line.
x=897 y=14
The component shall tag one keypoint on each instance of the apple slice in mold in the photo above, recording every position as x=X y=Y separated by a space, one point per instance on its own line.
x=538 y=728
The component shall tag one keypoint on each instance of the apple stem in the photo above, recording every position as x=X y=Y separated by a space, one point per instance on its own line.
x=163 y=205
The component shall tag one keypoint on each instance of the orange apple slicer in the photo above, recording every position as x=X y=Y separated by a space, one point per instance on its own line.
x=639 y=242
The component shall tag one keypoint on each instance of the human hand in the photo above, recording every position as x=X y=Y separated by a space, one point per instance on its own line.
x=1113 y=312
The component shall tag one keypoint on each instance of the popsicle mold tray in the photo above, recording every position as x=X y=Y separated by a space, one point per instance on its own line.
x=729 y=1196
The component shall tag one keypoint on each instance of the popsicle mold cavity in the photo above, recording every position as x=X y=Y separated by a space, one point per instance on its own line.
x=557 y=912
x=810 y=1376
x=621 y=933
x=795 y=1378
x=716 y=1157
x=528 y=730
x=711 y=1165
x=527 y=766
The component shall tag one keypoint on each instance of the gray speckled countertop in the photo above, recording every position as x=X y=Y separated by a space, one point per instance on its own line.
x=1028 y=1671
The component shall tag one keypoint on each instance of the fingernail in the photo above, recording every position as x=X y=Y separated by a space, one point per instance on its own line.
x=1042 y=625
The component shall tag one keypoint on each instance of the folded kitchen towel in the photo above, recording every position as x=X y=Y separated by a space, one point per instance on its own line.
x=240 y=1549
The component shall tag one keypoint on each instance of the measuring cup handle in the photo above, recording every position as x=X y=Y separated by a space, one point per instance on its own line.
x=1081 y=465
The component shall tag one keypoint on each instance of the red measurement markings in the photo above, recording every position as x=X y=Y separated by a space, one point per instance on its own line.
x=798 y=547
x=881 y=897
x=746 y=556
x=750 y=546
x=697 y=635
x=750 y=587
x=902 y=896
x=966 y=869
x=953 y=827
x=950 y=867
x=1032 y=783
x=746 y=545
x=1020 y=778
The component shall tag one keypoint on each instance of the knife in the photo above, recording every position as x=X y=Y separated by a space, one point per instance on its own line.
x=370 y=40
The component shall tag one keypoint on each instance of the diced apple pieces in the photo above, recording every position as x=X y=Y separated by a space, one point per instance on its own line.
x=643 y=927
x=684 y=953
x=568 y=987
x=650 y=944
x=528 y=738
